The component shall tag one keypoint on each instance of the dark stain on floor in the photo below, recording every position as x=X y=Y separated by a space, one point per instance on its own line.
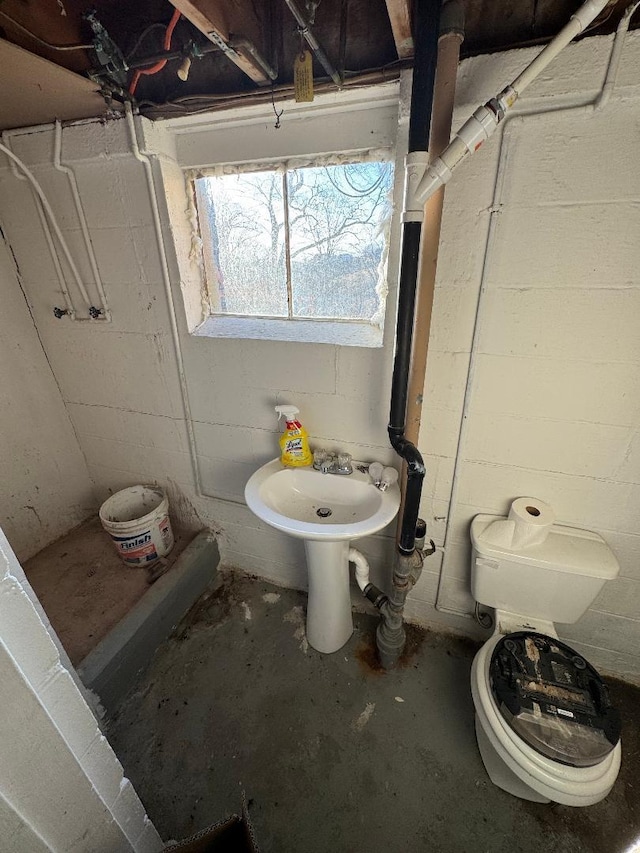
x=367 y=654
x=335 y=754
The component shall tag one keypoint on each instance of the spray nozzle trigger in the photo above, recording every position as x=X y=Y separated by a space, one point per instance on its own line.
x=289 y=412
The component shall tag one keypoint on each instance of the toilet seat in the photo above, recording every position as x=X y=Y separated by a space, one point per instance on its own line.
x=524 y=771
x=553 y=698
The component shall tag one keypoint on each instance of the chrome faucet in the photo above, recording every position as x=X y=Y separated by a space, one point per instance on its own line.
x=330 y=464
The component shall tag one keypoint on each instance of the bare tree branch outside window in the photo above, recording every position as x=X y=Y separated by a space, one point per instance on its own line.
x=300 y=243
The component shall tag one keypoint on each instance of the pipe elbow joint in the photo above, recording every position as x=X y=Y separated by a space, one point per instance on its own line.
x=376 y=596
x=408 y=451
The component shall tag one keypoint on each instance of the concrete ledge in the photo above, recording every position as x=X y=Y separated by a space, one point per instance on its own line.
x=111 y=668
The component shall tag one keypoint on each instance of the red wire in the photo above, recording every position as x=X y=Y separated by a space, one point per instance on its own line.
x=153 y=69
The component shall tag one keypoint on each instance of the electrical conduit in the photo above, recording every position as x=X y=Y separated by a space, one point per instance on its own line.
x=70 y=309
x=145 y=159
x=52 y=219
x=73 y=183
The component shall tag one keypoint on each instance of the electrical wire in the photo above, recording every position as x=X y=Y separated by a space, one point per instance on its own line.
x=351 y=81
x=600 y=23
x=158 y=65
x=143 y=35
x=42 y=41
x=360 y=193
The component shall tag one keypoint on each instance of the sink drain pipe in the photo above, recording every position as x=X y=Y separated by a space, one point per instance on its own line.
x=391 y=635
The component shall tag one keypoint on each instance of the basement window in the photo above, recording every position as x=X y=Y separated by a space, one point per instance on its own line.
x=296 y=251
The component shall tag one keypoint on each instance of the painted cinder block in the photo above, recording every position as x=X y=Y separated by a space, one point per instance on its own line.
x=129 y=812
x=22 y=627
x=540 y=245
x=590 y=324
x=101 y=765
x=583 y=449
x=72 y=715
x=567 y=390
x=126 y=371
x=559 y=158
x=149 y=462
x=153 y=431
x=36 y=762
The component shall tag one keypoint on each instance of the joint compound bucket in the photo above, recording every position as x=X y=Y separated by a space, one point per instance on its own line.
x=137 y=519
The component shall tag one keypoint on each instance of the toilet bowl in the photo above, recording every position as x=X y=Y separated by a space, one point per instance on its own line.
x=518 y=768
x=545 y=727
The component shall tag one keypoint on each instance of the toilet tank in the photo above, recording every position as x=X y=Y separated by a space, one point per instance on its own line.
x=555 y=581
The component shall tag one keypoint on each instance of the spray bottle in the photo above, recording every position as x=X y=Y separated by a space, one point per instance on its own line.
x=294 y=441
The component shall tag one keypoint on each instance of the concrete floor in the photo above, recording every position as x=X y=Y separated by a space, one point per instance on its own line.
x=335 y=755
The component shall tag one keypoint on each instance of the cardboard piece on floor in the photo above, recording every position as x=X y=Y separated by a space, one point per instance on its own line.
x=232 y=835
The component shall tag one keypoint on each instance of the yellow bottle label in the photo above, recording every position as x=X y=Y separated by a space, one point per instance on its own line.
x=294 y=446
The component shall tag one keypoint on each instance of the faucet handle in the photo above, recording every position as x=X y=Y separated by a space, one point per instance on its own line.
x=344 y=462
x=319 y=456
x=375 y=470
x=327 y=463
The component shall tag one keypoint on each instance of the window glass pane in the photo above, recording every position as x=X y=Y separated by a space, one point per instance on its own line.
x=242 y=224
x=337 y=229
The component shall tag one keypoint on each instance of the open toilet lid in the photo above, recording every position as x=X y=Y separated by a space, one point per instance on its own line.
x=553 y=699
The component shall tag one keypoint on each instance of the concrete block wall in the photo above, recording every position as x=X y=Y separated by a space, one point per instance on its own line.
x=119 y=380
x=551 y=408
x=45 y=488
x=534 y=334
x=61 y=786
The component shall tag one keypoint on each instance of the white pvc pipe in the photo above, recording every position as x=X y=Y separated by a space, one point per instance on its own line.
x=145 y=159
x=71 y=311
x=577 y=23
x=73 y=183
x=52 y=219
x=362 y=568
x=487 y=118
x=578 y=107
x=616 y=54
x=56 y=262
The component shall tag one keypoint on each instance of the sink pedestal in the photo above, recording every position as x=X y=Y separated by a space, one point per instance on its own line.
x=328 y=512
x=329 y=621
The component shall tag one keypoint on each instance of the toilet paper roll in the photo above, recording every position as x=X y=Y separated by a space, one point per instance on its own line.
x=532 y=521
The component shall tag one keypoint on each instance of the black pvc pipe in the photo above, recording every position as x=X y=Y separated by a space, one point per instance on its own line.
x=427 y=33
x=424 y=75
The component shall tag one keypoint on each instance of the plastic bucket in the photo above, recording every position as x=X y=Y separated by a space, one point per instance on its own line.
x=137 y=520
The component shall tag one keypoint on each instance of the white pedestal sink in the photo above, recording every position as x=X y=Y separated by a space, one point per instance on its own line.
x=328 y=511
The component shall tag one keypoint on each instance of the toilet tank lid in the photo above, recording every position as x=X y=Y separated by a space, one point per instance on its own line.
x=566 y=549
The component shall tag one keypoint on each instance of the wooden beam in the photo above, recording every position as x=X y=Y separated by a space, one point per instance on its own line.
x=45 y=21
x=36 y=91
x=217 y=21
x=400 y=17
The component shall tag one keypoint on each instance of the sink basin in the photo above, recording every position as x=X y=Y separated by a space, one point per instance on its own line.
x=307 y=504
x=327 y=511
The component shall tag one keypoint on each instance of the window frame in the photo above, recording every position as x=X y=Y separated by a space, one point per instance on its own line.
x=351 y=120
x=357 y=332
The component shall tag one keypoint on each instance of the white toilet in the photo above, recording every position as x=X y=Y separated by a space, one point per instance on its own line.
x=544 y=723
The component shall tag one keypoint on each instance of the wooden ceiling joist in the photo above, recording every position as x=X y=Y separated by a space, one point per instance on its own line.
x=211 y=18
x=400 y=17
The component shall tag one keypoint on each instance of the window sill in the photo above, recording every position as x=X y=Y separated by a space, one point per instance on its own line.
x=299 y=331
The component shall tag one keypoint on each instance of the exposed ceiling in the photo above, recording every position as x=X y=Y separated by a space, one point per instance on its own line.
x=237 y=50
